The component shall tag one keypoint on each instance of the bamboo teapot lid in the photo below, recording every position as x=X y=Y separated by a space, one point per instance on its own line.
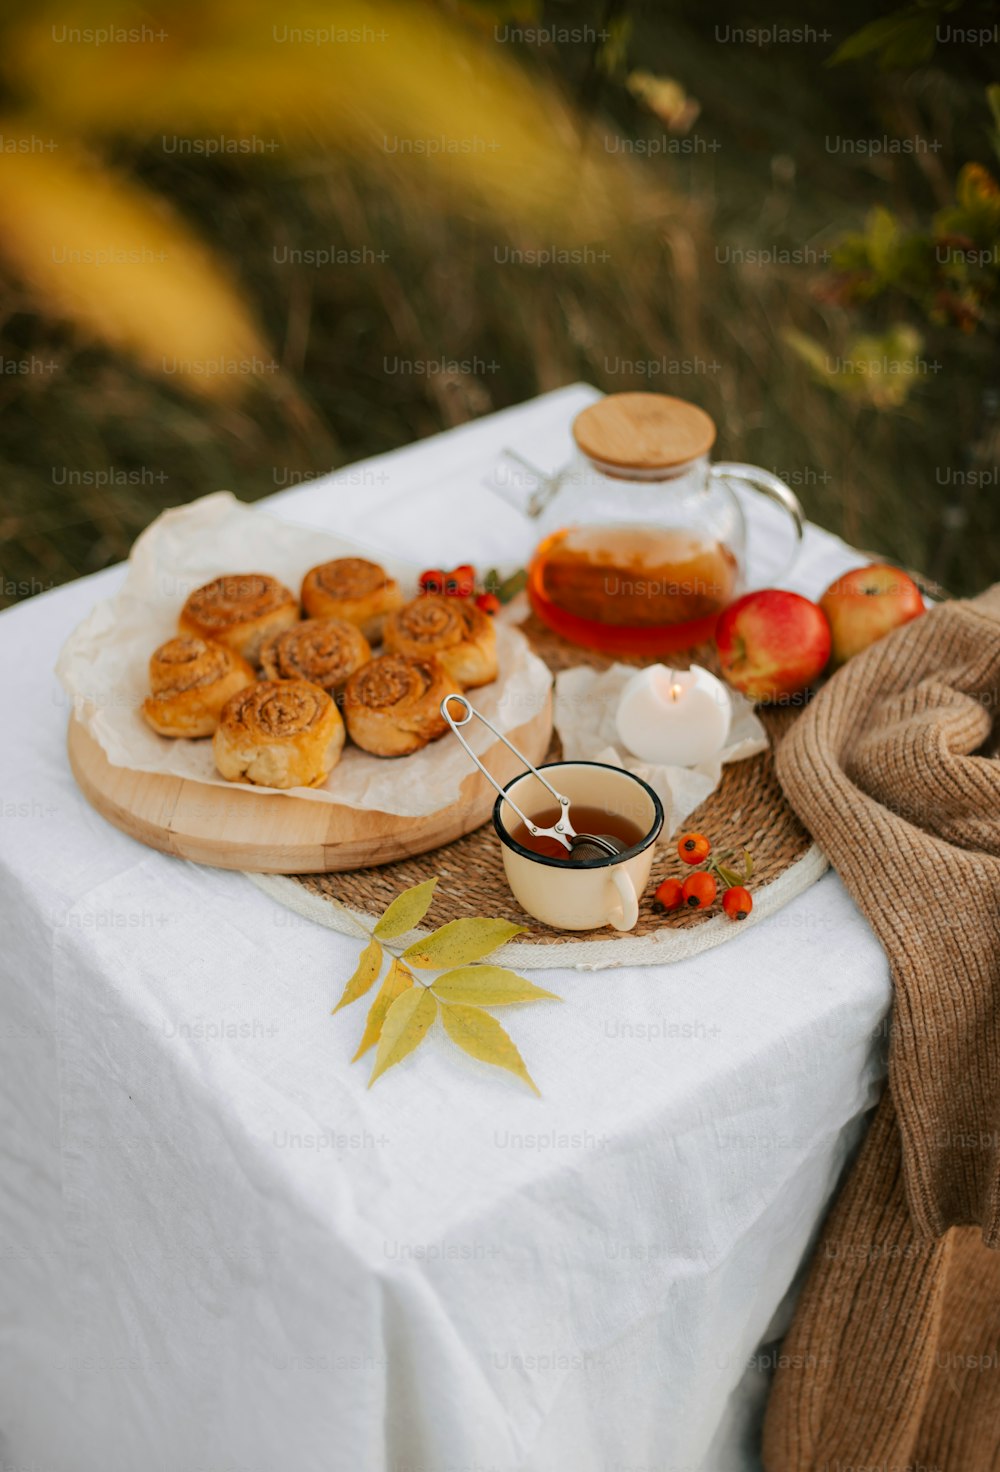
x=643 y=432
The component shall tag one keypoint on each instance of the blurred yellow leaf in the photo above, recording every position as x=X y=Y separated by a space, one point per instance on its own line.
x=406 y=910
x=404 y=84
x=488 y=986
x=884 y=233
x=368 y=967
x=397 y=981
x=666 y=98
x=99 y=251
x=404 y=1028
x=880 y=371
x=460 y=942
x=809 y=350
x=612 y=53
x=438 y=113
x=481 y=1036
x=976 y=212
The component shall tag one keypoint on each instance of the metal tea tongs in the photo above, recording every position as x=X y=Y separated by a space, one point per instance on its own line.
x=580 y=846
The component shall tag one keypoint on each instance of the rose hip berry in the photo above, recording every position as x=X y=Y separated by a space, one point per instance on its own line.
x=432 y=581
x=737 y=902
x=699 y=891
x=669 y=896
x=694 y=848
x=488 y=602
x=461 y=581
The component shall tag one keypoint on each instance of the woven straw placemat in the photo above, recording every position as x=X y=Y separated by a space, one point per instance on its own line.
x=747 y=810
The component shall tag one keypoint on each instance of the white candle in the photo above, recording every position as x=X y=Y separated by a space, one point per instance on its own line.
x=674 y=717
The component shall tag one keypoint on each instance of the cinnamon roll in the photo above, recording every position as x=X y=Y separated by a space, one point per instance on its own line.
x=454 y=630
x=191 y=680
x=239 y=610
x=279 y=733
x=351 y=588
x=326 y=651
x=392 y=705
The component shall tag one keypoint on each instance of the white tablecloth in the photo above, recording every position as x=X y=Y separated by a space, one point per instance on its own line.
x=222 y=1253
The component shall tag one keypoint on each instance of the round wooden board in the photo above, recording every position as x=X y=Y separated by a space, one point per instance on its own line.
x=267 y=833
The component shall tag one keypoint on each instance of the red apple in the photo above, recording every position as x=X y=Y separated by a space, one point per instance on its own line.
x=867 y=603
x=772 y=644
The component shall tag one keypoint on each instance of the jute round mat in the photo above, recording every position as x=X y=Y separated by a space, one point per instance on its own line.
x=747 y=810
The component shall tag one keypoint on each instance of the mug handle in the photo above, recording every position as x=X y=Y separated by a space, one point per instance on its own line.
x=775 y=489
x=629 y=909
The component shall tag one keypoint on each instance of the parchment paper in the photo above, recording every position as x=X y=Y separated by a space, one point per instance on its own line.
x=104 y=664
x=584 y=715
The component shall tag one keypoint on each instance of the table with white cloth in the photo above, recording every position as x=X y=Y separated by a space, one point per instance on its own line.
x=221 y=1252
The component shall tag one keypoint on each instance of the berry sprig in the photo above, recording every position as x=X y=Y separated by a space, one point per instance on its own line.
x=460 y=582
x=700 y=889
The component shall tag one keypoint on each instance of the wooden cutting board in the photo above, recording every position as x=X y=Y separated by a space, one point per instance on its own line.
x=266 y=833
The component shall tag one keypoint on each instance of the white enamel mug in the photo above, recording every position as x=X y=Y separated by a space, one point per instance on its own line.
x=594 y=892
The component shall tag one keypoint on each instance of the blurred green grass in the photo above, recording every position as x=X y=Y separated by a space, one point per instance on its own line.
x=91 y=448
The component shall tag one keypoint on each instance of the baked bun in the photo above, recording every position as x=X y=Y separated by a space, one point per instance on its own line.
x=354 y=589
x=191 y=680
x=279 y=733
x=239 y=610
x=454 y=630
x=392 y=706
x=326 y=651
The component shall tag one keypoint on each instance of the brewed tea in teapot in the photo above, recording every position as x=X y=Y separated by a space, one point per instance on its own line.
x=644 y=541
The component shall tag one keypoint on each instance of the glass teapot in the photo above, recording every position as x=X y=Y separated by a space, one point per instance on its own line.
x=642 y=540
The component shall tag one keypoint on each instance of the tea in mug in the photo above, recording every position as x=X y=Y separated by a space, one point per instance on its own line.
x=585 y=820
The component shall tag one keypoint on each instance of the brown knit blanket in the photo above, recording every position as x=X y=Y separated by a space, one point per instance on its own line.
x=893 y=1359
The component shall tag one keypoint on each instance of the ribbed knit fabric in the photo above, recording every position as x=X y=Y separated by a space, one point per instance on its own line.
x=893 y=1359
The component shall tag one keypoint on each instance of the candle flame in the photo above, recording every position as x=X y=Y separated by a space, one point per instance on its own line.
x=676 y=691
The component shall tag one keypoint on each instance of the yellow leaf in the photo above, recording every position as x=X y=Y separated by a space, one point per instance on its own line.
x=369 y=966
x=666 y=98
x=99 y=251
x=487 y=986
x=460 y=942
x=418 y=98
x=396 y=983
x=809 y=350
x=404 y=1028
x=883 y=235
x=406 y=910
x=882 y=369
x=481 y=1036
x=975 y=184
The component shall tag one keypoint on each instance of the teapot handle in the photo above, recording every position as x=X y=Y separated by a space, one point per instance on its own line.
x=775 y=490
x=521 y=484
